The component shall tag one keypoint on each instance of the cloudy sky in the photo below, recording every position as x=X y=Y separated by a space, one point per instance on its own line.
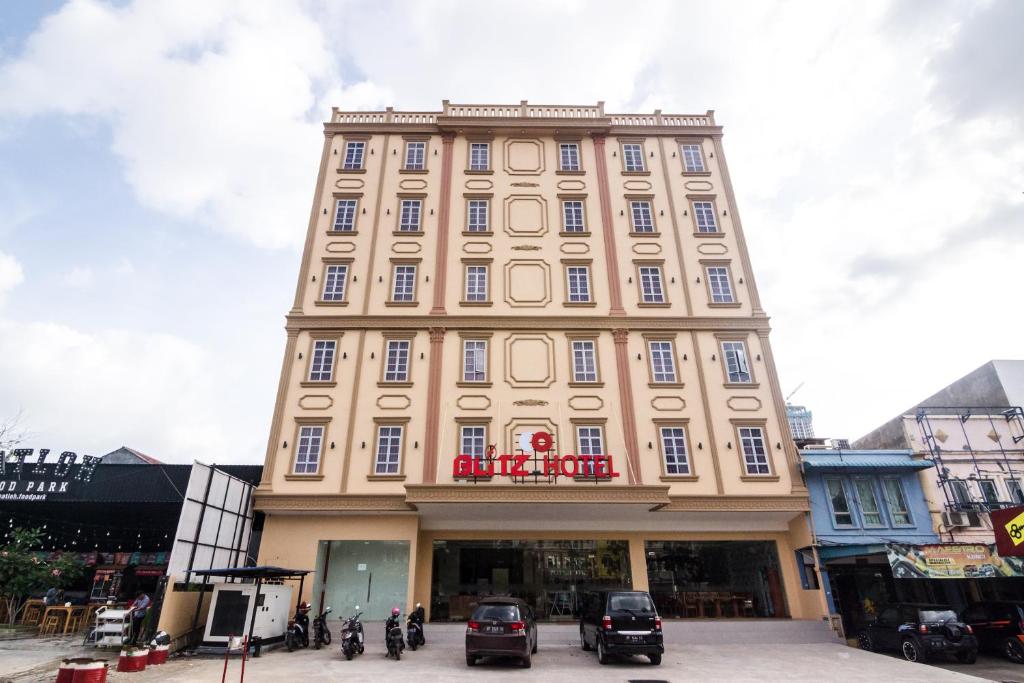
x=157 y=161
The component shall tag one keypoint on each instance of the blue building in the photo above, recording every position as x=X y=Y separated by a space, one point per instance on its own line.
x=862 y=500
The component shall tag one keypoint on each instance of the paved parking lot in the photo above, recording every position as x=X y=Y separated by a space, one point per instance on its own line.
x=697 y=651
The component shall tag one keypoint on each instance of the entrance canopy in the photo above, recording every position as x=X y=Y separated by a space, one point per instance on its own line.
x=262 y=572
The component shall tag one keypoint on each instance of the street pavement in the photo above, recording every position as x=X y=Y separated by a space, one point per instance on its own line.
x=695 y=651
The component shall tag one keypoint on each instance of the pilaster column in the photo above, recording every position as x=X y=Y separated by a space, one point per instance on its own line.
x=273 y=441
x=433 y=429
x=625 y=382
x=441 y=260
x=611 y=256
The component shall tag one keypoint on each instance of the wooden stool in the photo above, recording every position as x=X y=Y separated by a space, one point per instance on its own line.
x=33 y=613
x=76 y=620
x=53 y=624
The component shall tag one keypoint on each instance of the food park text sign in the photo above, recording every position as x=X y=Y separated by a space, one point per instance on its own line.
x=520 y=465
x=36 y=481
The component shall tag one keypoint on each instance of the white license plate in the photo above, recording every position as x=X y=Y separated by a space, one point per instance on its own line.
x=493 y=629
x=634 y=639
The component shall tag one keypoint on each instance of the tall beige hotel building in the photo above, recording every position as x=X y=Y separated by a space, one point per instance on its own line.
x=527 y=357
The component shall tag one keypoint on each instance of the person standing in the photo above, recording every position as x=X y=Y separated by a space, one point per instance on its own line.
x=137 y=611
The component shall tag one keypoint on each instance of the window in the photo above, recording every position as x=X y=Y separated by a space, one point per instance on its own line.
x=896 y=501
x=476 y=283
x=673 y=447
x=307 y=454
x=755 y=453
x=415 y=156
x=345 y=215
x=719 y=285
x=869 y=507
x=396 y=368
x=568 y=156
x=704 y=214
x=473 y=441
x=579 y=283
x=735 y=355
x=591 y=442
x=334 y=283
x=643 y=220
x=693 y=157
x=354 y=155
x=409 y=220
x=403 y=283
x=1014 y=488
x=988 y=490
x=572 y=216
x=389 y=449
x=477 y=216
x=633 y=157
x=663 y=363
x=961 y=494
x=651 y=291
x=474 y=360
x=479 y=156
x=584 y=361
x=841 y=514
x=321 y=366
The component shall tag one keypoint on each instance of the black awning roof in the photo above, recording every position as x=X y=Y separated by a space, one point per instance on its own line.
x=264 y=572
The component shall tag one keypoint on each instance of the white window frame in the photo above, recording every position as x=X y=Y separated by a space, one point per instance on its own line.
x=676 y=461
x=984 y=496
x=388 y=452
x=858 y=482
x=473 y=441
x=308 y=449
x=410 y=215
x=573 y=216
x=719 y=284
x=633 y=157
x=415 y=155
x=577 y=283
x=478 y=215
x=321 y=363
x=652 y=284
x=895 y=511
x=479 y=156
x=1015 y=490
x=662 y=353
x=642 y=216
x=693 y=157
x=474 y=360
x=397 y=354
x=477 y=287
x=403 y=282
x=584 y=361
x=846 y=498
x=569 y=156
x=335 y=282
x=751 y=458
x=736 y=362
x=345 y=215
x=355 y=154
x=590 y=441
x=704 y=216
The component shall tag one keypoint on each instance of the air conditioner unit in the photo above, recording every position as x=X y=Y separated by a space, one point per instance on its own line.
x=953 y=520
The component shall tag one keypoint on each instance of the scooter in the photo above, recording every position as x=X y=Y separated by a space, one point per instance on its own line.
x=321 y=634
x=297 y=633
x=352 y=635
x=395 y=642
x=414 y=633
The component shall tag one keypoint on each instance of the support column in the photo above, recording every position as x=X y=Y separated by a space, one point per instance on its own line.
x=433 y=406
x=638 y=563
x=273 y=441
x=611 y=256
x=626 y=400
x=441 y=260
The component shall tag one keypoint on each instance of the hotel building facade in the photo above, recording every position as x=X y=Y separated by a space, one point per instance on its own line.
x=489 y=297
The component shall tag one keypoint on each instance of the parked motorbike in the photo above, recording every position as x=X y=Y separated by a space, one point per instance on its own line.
x=352 y=635
x=395 y=641
x=321 y=634
x=414 y=633
x=297 y=633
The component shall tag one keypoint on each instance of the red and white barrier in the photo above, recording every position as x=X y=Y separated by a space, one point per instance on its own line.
x=133 y=660
x=158 y=654
x=89 y=671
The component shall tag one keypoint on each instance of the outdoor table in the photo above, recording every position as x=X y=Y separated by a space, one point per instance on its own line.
x=56 y=609
x=33 y=613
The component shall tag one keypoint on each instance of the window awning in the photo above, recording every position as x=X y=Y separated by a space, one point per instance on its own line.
x=843 y=461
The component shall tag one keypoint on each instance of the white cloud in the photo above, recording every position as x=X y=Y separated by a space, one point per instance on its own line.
x=80 y=277
x=213 y=106
x=11 y=273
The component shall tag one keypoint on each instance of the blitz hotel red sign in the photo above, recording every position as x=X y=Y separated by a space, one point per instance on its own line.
x=521 y=465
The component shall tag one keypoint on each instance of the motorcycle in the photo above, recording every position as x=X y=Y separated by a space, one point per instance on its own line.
x=395 y=642
x=297 y=633
x=352 y=635
x=321 y=634
x=414 y=633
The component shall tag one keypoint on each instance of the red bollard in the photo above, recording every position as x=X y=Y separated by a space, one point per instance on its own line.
x=90 y=671
x=133 y=660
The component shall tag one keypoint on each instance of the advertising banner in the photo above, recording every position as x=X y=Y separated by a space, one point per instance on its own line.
x=1008 y=525
x=951 y=561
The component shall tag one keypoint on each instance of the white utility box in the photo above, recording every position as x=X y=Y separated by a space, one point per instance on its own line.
x=232 y=607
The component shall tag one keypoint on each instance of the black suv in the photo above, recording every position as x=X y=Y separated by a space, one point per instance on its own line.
x=920 y=632
x=998 y=626
x=621 y=623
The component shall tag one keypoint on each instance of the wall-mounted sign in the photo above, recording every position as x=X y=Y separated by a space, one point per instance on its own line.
x=522 y=465
x=38 y=480
x=1008 y=525
x=951 y=561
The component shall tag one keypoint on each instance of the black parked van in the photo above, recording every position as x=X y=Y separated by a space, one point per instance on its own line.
x=621 y=623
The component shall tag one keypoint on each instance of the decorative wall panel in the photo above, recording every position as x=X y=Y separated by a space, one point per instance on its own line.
x=527 y=283
x=526 y=215
x=524 y=156
x=529 y=360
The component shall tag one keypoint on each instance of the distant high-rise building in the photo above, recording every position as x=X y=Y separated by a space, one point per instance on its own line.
x=800 y=421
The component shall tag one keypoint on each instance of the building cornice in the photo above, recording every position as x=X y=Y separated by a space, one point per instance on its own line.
x=270 y=502
x=531 y=494
x=736 y=503
x=523 y=322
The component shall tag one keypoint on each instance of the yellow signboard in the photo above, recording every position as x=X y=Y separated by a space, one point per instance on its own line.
x=1015 y=529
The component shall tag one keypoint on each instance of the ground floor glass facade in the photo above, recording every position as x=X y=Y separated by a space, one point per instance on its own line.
x=371 y=574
